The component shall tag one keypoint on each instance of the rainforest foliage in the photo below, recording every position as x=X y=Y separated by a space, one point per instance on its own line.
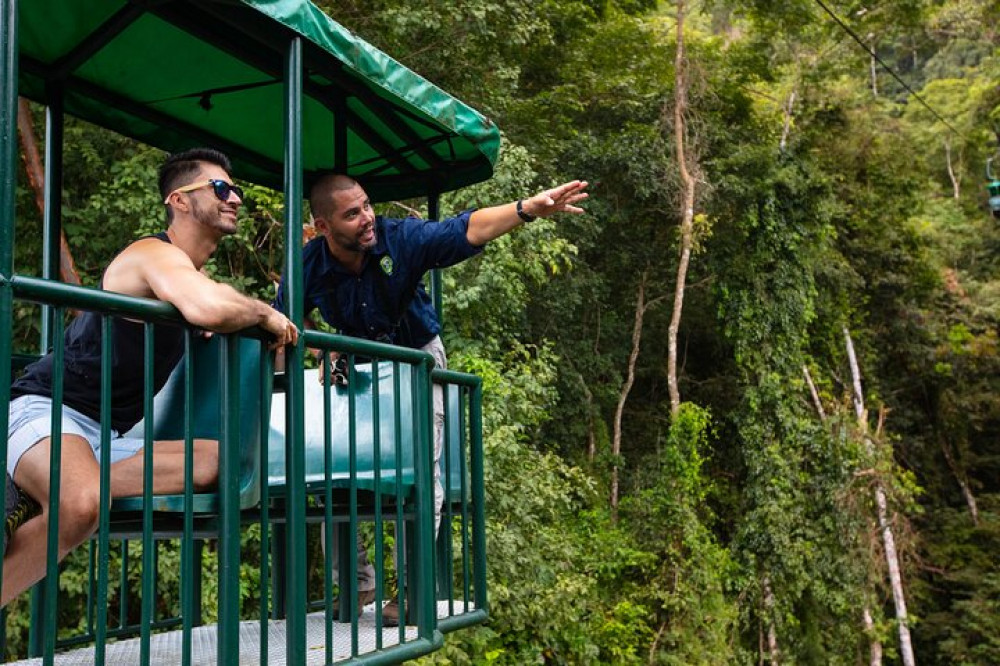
x=829 y=202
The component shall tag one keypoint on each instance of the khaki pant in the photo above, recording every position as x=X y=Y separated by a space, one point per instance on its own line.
x=366 y=572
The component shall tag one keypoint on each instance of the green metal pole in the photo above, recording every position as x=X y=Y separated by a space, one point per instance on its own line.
x=352 y=504
x=295 y=596
x=148 y=544
x=229 y=509
x=8 y=177
x=443 y=538
x=52 y=216
x=50 y=585
x=377 y=470
x=189 y=603
x=264 y=386
x=478 y=495
x=103 y=538
x=423 y=542
x=329 y=527
x=463 y=410
x=401 y=560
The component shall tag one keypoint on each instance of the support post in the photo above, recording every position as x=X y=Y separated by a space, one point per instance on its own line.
x=8 y=179
x=295 y=593
x=229 y=504
x=423 y=580
x=52 y=215
x=478 y=495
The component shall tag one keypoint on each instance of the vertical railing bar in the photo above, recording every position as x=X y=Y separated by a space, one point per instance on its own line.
x=478 y=494
x=377 y=472
x=123 y=590
x=446 y=509
x=400 y=555
x=330 y=528
x=352 y=500
x=50 y=585
x=148 y=582
x=463 y=406
x=294 y=436
x=229 y=510
x=264 y=389
x=8 y=186
x=52 y=202
x=103 y=537
x=425 y=599
x=187 y=540
x=52 y=198
x=153 y=621
x=91 y=585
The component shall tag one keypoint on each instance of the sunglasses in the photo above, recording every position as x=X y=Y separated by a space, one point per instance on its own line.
x=221 y=188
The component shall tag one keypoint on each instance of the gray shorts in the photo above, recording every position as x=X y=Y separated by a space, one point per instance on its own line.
x=31 y=422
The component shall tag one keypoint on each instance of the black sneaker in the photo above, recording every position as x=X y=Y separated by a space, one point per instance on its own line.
x=20 y=509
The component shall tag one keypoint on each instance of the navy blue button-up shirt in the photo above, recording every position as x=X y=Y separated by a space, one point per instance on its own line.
x=387 y=301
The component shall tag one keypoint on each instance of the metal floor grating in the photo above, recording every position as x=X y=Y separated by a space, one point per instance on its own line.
x=165 y=648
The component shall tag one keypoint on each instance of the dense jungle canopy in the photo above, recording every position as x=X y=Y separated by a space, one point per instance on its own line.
x=743 y=519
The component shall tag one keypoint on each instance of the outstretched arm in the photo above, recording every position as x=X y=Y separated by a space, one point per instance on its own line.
x=152 y=269
x=487 y=224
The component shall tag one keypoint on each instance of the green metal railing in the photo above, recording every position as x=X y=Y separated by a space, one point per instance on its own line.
x=402 y=494
x=464 y=506
x=149 y=526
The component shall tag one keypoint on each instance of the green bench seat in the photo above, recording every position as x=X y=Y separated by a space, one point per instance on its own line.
x=393 y=416
x=168 y=420
x=168 y=423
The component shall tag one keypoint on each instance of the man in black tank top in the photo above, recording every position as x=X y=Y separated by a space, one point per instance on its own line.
x=201 y=206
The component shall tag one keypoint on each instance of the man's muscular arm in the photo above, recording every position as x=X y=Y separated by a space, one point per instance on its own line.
x=154 y=269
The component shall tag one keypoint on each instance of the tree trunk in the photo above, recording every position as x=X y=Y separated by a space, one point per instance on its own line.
x=591 y=435
x=956 y=182
x=36 y=176
x=875 y=647
x=772 y=633
x=656 y=643
x=616 y=440
x=786 y=128
x=963 y=482
x=814 y=393
x=885 y=524
x=873 y=68
x=687 y=212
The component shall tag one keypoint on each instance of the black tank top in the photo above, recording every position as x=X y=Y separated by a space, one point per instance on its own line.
x=82 y=357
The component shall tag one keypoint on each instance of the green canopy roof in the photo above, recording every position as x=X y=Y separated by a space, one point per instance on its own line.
x=175 y=74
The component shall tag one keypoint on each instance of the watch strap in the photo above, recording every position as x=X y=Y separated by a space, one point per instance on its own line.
x=526 y=217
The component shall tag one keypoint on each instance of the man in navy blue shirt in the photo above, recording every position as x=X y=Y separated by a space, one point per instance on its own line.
x=364 y=273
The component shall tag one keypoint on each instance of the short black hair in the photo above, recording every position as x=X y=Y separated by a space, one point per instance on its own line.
x=179 y=167
x=321 y=193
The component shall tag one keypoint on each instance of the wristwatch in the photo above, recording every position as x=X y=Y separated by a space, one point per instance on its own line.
x=522 y=214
